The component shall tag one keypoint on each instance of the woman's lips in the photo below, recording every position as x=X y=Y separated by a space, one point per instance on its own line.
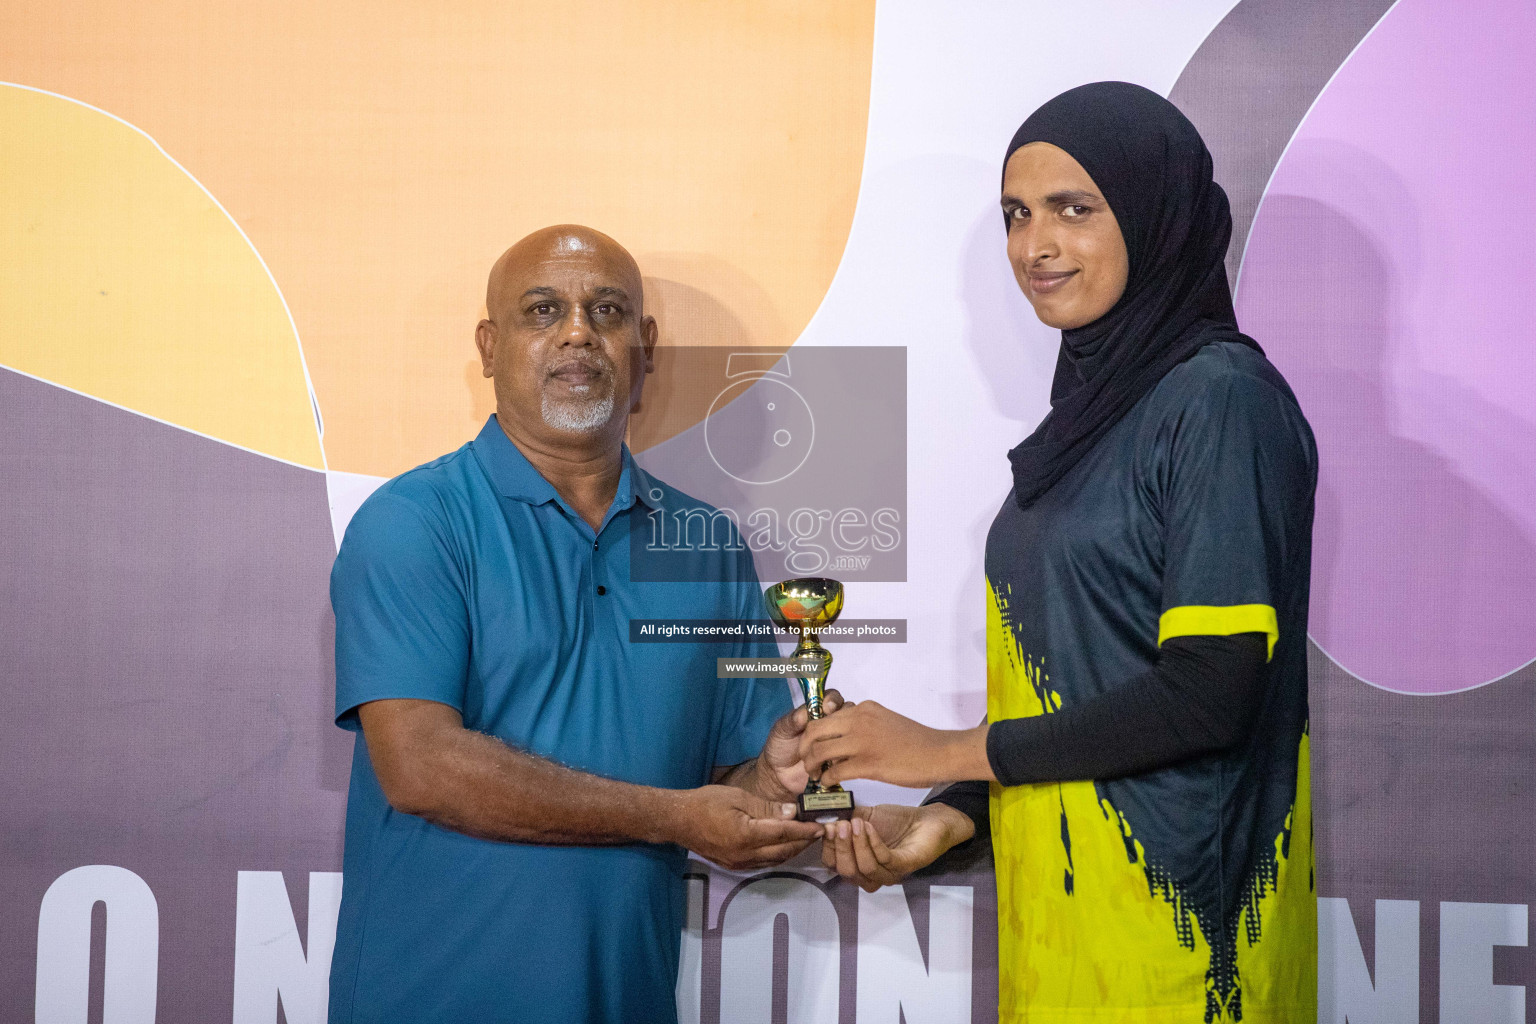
x=1043 y=282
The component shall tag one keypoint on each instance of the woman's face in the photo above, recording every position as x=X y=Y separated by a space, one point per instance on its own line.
x=1063 y=240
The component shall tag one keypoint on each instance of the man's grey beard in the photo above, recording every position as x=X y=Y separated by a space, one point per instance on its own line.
x=578 y=417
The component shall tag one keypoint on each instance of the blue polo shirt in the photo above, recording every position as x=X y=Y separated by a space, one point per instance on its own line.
x=469 y=581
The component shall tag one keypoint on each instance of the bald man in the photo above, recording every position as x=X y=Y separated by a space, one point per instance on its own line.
x=527 y=780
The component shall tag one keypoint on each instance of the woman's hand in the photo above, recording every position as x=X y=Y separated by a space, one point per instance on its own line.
x=868 y=741
x=886 y=843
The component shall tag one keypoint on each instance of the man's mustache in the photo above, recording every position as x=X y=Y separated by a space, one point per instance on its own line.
x=597 y=365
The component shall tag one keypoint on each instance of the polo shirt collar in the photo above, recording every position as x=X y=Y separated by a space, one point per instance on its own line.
x=638 y=483
x=515 y=477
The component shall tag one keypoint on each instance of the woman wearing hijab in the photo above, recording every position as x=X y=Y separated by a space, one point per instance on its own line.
x=1143 y=771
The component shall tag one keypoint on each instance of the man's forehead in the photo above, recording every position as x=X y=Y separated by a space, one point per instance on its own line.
x=582 y=272
x=591 y=287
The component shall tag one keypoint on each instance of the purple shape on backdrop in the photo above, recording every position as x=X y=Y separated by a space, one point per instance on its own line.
x=1390 y=276
x=166 y=652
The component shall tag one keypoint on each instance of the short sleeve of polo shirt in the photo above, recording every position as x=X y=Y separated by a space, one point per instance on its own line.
x=402 y=620
x=1237 y=460
x=749 y=707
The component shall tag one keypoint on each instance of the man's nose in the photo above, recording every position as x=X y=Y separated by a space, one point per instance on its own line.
x=578 y=330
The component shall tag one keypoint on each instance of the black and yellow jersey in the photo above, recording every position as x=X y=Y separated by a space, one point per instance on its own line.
x=1185 y=894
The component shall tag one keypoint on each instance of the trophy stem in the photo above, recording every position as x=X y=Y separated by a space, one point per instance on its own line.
x=813 y=684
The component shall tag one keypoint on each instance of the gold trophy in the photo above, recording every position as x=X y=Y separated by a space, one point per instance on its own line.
x=805 y=606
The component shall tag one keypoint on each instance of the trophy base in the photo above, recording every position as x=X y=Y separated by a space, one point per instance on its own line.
x=826 y=805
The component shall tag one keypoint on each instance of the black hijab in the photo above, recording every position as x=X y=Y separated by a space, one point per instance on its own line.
x=1155 y=173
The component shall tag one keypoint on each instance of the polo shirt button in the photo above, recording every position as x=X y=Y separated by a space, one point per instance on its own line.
x=601 y=590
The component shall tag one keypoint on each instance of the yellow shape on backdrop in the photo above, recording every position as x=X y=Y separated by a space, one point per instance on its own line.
x=121 y=278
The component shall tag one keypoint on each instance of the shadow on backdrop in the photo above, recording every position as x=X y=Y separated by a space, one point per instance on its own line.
x=1420 y=576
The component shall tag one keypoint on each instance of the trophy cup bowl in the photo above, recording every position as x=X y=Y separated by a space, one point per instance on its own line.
x=805 y=606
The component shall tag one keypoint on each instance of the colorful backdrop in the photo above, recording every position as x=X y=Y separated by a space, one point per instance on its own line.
x=242 y=252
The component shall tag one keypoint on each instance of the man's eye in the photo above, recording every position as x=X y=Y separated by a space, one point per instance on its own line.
x=1018 y=213
x=1075 y=211
x=544 y=309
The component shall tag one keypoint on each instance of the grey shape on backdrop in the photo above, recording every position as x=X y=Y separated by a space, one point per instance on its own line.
x=167 y=653
x=1252 y=81
x=1425 y=798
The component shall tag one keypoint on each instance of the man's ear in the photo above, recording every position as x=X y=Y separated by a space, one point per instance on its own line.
x=485 y=341
x=648 y=335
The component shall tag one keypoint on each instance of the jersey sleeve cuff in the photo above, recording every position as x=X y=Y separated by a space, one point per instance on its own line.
x=1219 y=620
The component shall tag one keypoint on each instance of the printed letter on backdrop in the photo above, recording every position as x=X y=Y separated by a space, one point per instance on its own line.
x=130 y=976
x=1468 y=933
x=269 y=959
x=893 y=978
x=748 y=963
x=1345 y=991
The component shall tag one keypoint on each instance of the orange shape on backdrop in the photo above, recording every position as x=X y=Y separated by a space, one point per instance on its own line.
x=381 y=155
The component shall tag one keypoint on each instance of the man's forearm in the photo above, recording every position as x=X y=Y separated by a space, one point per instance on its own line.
x=476 y=784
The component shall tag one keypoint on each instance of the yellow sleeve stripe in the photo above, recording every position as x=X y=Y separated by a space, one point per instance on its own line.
x=1216 y=620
